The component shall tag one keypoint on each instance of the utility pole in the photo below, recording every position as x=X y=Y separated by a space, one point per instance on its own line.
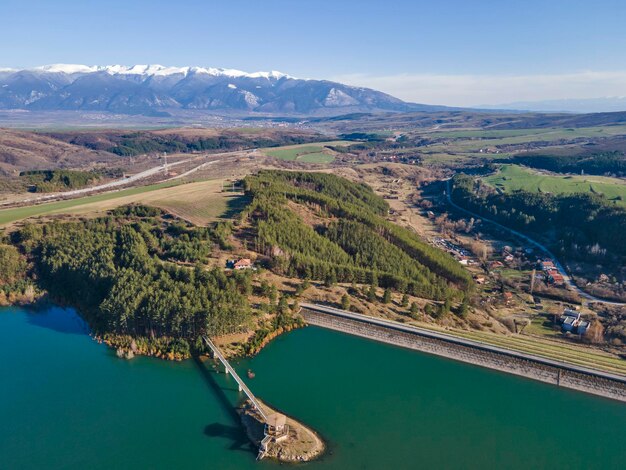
x=165 y=166
x=532 y=281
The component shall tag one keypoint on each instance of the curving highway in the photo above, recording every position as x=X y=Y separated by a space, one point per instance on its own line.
x=566 y=277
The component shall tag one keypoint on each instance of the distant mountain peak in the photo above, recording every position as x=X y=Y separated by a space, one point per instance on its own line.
x=146 y=89
x=152 y=70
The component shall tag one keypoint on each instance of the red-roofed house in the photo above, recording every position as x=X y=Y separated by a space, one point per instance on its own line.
x=243 y=263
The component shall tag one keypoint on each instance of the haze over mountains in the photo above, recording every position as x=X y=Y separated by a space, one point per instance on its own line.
x=155 y=89
x=588 y=105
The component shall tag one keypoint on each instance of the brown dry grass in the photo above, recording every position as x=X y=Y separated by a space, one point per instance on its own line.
x=199 y=203
x=21 y=150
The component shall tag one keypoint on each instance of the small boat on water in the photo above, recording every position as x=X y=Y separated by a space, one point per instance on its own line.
x=250 y=374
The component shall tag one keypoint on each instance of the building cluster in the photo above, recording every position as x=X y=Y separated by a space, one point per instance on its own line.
x=571 y=322
x=552 y=274
x=461 y=254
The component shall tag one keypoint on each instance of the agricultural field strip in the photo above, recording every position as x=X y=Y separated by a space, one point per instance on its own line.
x=556 y=351
x=198 y=203
x=530 y=342
x=105 y=186
x=473 y=141
x=548 y=134
x=316 y=157
x=533 y=342
x=576 y=359
x=514 y=177
x=19 y=213
x=299 y=152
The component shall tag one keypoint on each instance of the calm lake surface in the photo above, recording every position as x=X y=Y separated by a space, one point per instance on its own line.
x=67 y=402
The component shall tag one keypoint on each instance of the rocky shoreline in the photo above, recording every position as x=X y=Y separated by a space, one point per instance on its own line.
x=301 y=444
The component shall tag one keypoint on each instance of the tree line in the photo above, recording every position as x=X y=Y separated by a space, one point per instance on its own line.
x=140 y=143
x=45 y=181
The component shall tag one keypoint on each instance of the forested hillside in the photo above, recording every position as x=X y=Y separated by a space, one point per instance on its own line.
x=584 y=226
x=182 y=141
x=115 y=270
x=350 y=239
x=15 y=287
x=45 y=181
x=140 y=275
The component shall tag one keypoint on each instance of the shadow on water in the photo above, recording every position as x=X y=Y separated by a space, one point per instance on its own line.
x=234 y=433
x=57 y=319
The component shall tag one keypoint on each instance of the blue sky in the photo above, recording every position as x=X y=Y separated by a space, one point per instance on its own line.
x=445 y=51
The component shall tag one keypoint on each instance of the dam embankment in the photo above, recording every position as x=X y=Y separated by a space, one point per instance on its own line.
x=534 y=367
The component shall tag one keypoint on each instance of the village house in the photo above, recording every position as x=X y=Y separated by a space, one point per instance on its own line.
x=583 y=326
x=242 y=263
x=556 y=278
x=569 y=313
x=553 y=276
x=571 y=322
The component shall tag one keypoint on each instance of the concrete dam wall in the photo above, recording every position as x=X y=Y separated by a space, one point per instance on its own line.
x=545 y=370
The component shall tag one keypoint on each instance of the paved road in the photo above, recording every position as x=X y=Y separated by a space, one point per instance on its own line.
x=457 y=340
x=566 y=277
x=110 y=185
x=193 y=170
x=131 y=179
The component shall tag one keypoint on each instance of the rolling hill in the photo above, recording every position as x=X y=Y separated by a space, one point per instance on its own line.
x=22 y=150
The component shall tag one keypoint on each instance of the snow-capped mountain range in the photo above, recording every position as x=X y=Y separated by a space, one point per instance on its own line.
x=149 y=70
x=145 y=89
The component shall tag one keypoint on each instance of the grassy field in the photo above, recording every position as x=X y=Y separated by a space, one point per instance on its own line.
x=199 y=202
x=307 y=153
x=522 y=135
x=560 y=351
x=514 y=177
x=452 y=147
x=316 y=157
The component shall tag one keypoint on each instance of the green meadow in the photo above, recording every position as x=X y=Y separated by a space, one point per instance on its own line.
x=307 y=153
x=514 y=177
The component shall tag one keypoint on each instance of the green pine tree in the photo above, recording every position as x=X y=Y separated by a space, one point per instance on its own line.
x=387 y=296
x=345 y=302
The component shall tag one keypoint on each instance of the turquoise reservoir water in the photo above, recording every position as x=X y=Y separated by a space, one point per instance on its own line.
x=67 y=402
